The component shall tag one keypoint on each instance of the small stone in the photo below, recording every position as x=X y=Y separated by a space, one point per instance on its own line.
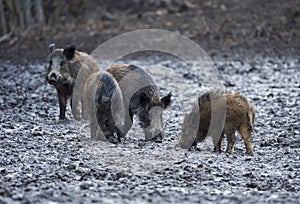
x=251 y=185
x=2 y=170
x=85 y=185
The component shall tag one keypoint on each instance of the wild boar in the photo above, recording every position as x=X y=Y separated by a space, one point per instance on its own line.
x=102 y=104
x=109 y=108
x=141 y=98
x=240 y=116
x=64 y=65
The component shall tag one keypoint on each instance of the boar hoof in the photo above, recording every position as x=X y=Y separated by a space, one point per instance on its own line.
x=217 y=150
x=77 y=117
x=62 y=118
x=198 y=149
x=157 y=138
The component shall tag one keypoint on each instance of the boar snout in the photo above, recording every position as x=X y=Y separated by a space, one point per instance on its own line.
x=53 y=78
x=112 y=138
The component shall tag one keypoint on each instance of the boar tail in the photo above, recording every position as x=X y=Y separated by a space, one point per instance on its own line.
x=251 y=117
x=250 y=121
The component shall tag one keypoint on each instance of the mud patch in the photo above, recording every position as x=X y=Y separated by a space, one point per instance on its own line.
x=46 y=160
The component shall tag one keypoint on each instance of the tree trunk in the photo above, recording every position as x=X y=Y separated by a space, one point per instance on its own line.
x=13 y=14
x=39 y=12
x=20 y=13
x=27 y=12
x=58 y=6
x=2 y=18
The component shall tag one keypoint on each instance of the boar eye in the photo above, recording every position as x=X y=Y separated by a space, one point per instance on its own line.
x=61 y=63
x=50 y=62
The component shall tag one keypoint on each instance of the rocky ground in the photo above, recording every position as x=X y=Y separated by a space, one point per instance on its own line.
x=255 y=48
x=47 y=160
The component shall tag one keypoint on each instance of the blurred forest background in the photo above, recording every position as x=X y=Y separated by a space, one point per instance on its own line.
x=29 y=26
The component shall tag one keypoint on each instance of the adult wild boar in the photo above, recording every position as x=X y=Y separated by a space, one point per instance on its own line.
x=141 y=98
x=240 y=115
x=102 y=106
x=64 y=65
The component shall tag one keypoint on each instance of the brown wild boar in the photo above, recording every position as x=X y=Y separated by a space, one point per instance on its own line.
x=240 y=115
x=102 y=104
x=141 y=98
x=64 y=65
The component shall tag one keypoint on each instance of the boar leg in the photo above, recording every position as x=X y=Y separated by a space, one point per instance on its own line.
x=230 y=141
x=93 y=127
x=120 y=135
x=71 y=103
x=246 y=136
x=100 y=135
x=194 y=145
x=219 y=144
x=96 y=132
x=62 y=105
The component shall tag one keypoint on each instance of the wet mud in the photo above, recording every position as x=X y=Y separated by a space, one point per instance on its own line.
x=45 y=160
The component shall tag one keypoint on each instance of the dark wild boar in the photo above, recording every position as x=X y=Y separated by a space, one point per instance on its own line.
x=141 y=98
x=109 y=108
x=102 y=104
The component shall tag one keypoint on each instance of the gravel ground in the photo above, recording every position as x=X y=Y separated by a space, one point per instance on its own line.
x=45 y=160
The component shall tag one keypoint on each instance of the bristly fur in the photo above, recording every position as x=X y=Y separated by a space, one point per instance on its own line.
x=211 y=94
x=141 y=94
x=108 y=85
x=104 y=105
x=240 y=116
x=63 y=75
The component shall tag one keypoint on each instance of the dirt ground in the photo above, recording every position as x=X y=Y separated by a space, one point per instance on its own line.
x=255 y=48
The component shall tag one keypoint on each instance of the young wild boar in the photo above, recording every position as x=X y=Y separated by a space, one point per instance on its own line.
x=141 y=98
x=64 y=65
x=240 y=115
x=102 y=105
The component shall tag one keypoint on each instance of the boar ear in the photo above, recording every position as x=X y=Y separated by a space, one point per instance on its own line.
x=166 y=100
x=144 y=99
x=51 y=48
x=69 y=52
